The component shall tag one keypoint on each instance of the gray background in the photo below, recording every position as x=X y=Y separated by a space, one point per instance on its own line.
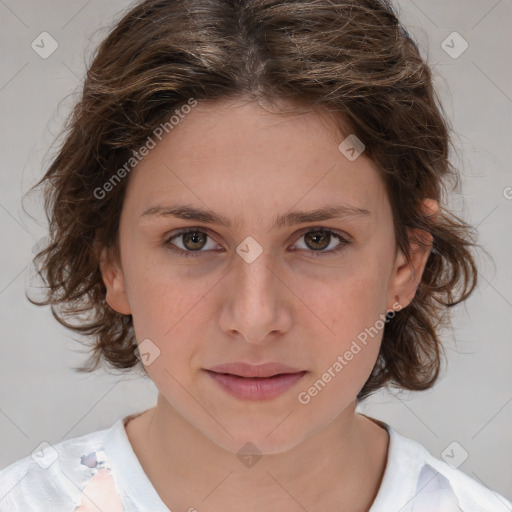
x=41 y=398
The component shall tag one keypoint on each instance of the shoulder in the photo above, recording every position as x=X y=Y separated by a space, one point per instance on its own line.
x=471 y=495
x=53 y=476
x=436 y=485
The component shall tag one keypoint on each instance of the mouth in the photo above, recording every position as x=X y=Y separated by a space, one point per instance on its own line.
x=256 y=387
x=266 y=370
x=254 y=376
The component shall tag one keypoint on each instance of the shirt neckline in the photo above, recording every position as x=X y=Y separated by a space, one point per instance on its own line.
x=397 y=486
x=132 y=478
x=403 y=465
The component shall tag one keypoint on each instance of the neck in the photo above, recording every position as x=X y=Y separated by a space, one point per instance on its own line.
x=339 y=465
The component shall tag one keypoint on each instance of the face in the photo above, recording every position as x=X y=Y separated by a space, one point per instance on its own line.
x=266 y=285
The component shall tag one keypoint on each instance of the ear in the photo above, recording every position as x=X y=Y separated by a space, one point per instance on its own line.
x=114 y=281
x=407 y=277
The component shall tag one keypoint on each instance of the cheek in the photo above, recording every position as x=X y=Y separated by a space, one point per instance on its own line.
x=161 y=291
x=345 y=354
x=174 y=312
x=168 y=310
x=351 y=301
x=348 y=322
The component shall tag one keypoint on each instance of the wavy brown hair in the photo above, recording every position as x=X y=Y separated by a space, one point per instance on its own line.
x=351 y=58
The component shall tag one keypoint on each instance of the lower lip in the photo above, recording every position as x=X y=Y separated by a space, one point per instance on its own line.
x=256 y=388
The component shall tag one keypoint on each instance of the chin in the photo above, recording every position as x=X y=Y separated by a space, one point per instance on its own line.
x=267 y=438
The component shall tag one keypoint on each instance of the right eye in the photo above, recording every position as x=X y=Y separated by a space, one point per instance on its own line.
x=192 y=241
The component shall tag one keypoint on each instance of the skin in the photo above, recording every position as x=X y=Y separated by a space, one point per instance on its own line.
x=100 y=494
x=290 y=306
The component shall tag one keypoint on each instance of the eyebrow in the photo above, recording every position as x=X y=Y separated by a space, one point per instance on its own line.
x=189 y=212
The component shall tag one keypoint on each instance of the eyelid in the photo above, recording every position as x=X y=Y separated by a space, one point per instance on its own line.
x=183 y=231
x=344 y=239
x=338 y=232
x=298 y=233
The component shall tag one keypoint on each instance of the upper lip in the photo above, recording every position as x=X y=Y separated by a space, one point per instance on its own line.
x=250 y=370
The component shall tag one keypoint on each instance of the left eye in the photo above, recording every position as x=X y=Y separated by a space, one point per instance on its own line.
x=321 y=239
x=317 y=241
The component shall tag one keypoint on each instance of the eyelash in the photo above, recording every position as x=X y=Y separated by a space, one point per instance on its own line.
x=194 y=254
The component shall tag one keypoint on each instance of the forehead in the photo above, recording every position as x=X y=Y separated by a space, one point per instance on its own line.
x=228 y=128
x=240 y=155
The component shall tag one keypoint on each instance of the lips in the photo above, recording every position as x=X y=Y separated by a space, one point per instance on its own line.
x=255 y=382
x=248 y=370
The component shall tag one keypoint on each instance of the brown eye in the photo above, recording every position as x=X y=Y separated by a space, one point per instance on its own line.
x=193 y=241
x=319 y=242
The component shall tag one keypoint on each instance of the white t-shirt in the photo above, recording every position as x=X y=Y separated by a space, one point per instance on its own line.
x=104 y=466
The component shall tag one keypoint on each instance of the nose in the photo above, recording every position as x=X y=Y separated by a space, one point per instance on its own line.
x=257 y=305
